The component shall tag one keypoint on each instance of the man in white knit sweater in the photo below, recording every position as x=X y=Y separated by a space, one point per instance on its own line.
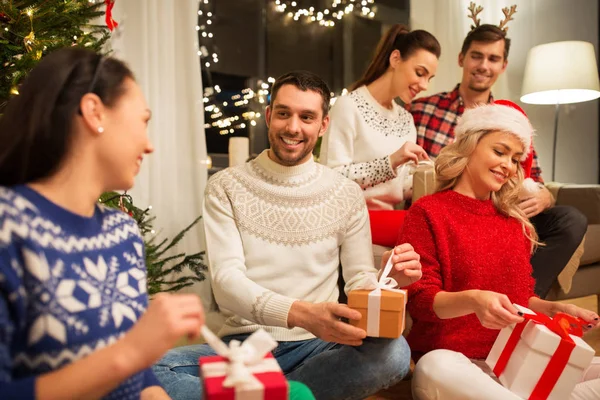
x=277 y=229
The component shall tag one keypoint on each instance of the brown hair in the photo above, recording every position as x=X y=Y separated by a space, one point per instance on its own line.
x=303 y=80
x=486 y=33
x=398 y=37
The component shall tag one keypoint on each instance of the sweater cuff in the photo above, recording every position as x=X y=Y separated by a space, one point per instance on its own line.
x=150 y=379
x=275 y=311
x=391 y=170
x=422 y=305
x=23 y=389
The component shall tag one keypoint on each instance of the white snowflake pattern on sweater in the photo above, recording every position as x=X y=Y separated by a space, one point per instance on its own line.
x=69 y=286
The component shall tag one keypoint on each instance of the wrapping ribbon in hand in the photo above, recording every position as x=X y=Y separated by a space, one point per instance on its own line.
x=384 y=282
x=241 y=356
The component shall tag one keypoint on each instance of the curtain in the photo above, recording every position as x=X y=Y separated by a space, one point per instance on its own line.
x=159 y=41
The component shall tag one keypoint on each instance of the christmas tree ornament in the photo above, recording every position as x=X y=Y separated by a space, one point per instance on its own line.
x=110 y=22
x=29 y=40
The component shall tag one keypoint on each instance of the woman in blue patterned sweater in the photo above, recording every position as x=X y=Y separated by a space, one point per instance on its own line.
x=73 y=319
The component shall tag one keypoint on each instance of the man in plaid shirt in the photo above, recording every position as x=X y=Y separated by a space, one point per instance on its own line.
x=483 y=58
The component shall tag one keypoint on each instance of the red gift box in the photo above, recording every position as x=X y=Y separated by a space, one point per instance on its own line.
x=244 y=370
x=268 y=383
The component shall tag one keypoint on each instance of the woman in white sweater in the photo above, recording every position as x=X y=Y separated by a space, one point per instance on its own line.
x=370 y=136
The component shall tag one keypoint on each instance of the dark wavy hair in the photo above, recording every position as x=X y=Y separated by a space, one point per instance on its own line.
x=36 y=128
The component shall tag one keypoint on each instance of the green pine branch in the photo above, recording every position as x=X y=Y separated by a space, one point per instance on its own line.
x=165 y=273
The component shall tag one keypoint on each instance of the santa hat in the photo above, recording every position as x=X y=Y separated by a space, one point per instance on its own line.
x=505 y=116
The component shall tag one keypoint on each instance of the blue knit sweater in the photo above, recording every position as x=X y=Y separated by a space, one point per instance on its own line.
x=69 y=285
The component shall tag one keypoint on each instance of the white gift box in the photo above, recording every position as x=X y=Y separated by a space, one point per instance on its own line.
x=534 y=369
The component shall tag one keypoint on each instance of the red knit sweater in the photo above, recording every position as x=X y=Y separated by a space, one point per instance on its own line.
x=464 y=244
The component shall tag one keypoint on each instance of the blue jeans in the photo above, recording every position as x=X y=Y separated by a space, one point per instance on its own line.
x=330 y=370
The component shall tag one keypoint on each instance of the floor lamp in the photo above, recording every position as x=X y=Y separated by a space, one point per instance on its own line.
x=560 y=73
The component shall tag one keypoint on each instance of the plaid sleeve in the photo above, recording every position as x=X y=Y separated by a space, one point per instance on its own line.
x=416 y=109
x=435 y=120
x=536 y=171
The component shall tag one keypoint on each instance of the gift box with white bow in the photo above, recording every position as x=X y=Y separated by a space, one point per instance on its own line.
x=399 y=188
x=542 y=357
x=381 y=305
x=423 y=180
x=244 y=370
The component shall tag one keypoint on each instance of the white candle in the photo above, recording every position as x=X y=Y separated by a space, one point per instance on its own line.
x=239 y=150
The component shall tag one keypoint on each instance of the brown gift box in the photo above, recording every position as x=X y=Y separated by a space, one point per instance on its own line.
x=423 y=182
x=391 y=311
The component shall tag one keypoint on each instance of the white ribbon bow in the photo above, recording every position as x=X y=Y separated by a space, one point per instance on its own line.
x=241 y=355
x=384 y=282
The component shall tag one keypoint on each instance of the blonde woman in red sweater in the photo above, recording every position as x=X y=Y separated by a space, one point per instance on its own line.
x=475 y=245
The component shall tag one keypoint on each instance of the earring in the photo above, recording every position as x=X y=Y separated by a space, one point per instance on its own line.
x=100 y=129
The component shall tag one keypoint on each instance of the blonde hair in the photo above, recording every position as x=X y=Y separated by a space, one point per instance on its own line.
x=452 y=162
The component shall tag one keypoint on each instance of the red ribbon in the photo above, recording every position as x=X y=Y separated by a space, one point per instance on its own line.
x=563 y=325
x=110 y=22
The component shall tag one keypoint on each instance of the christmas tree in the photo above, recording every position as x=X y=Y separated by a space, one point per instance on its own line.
x=161 y=267
x=29 y=29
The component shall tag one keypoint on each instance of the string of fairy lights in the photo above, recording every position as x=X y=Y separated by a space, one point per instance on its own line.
x=215 y=107
x=327 y=17
x=240 y=118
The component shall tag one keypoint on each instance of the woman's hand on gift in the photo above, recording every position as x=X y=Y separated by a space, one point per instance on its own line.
x=589 y=317
x=167 y=319
x=495 y=310
x=408 y=152
x=324 y=321
x=406 y=264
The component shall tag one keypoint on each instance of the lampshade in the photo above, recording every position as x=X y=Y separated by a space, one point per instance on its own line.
x=561 y=73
